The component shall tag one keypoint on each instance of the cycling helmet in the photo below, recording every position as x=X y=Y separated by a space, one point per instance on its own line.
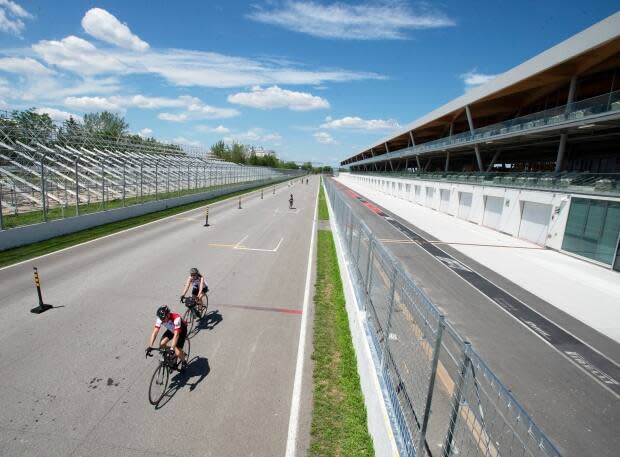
x=162 y=312
x=194 y=271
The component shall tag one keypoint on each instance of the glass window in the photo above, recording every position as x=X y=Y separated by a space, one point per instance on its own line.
x=592 y=229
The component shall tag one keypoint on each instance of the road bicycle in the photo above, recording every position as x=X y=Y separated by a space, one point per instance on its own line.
x=167 y=363
x=194 y=310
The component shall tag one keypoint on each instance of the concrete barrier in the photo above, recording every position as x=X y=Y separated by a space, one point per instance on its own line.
x=27 y=234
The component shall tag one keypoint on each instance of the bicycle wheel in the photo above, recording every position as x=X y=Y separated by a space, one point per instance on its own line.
x=189 y=318
x=159 y=384
x=205 y=306
x=187 y=347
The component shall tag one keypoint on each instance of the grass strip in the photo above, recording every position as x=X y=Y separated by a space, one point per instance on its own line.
x=29 y=251
x=323 y=213
x=61 y=212
x=339 y=426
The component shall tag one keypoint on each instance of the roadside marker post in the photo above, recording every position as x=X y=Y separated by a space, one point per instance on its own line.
x=239 y=202
x=42 y=306
x=274 y=190
x=207 y=217
x=261 y=194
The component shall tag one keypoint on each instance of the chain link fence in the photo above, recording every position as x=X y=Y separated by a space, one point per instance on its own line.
x=446 y=401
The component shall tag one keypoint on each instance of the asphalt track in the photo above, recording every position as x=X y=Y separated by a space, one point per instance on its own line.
x=75 y=379
x=576 y=410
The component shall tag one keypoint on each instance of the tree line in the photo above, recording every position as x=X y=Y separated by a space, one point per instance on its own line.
x=103 y=128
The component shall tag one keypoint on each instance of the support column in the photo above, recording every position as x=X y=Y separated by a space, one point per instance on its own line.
x=471 y=130
x=417 y=160
x=447 y=160
x=559 y=161
x=495 y=157
x=478 y=157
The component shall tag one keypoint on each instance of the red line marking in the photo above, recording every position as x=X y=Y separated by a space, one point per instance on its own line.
x=375 y=209
x=264 y=308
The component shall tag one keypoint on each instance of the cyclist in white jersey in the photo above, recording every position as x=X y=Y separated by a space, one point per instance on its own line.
x=198 y=283
x=175 y=334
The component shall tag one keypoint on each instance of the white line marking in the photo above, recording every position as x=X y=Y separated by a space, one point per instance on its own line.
x=241 y=241
x=127 y=230
x=278 y=246
x=293 y=422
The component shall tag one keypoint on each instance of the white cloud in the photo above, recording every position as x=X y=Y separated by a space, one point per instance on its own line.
x=100 y=24
x=357 y=123
x=324 y=138
x=185 y=141
x=254 y=135
x=185 y=67
x=473 y=78
x=57 y=115
x=93 y=104
x=387 y=20
x=78 y=55
x=275 y=97
x=11 y=15
x=173 y=117
x=25 y=66
x=146 y=132
x=218 y=129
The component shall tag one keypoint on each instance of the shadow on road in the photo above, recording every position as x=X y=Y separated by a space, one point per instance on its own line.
x=198 y=367
x=209 y=321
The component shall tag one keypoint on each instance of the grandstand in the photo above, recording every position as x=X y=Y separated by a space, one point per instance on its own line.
x=543 y=134
x=50 y=174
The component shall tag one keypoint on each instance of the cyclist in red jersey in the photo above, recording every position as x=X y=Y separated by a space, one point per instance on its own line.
x=176 y=332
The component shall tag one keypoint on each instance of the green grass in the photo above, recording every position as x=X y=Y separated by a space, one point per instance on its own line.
x=323 y=213
x=29 y=251
x=339 y=415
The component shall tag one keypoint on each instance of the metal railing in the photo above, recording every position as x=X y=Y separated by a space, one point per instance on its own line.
x=440 y=389
x=575 y=182
x=54 y=177
x=582 y=110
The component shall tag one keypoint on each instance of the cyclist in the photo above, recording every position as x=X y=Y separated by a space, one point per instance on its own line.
x=290 y=202
x=198 y=284
x=176 y=332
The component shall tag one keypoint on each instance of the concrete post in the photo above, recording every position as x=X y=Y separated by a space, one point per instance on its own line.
x=77 y=186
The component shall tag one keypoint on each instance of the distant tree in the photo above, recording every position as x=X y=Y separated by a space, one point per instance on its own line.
x=29 y=127
x=106 y=124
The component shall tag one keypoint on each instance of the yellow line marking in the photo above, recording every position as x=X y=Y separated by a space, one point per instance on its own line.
x=222 y=245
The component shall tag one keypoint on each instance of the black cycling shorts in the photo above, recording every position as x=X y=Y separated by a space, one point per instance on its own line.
x=168 y=334
x=205 y=289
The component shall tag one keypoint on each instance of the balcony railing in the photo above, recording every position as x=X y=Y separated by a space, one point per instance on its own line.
x=576 y=111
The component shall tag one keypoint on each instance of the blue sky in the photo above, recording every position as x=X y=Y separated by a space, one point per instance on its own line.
x=312 y=80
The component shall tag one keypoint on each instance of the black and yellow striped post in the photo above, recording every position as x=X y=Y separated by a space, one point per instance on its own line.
x=42 y=306
x=239 y=202
x=207 y=217
x=274 y=190
x=261 y=194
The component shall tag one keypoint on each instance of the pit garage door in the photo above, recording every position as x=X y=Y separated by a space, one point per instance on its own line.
x=444 y=204
x=464 y=204
x=535 y=222
x=492 y=211
x=430 y=193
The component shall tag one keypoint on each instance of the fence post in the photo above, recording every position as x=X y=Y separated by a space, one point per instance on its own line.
x=1 y=217
x=368 y=267
x=431 y=384
x=391 y=308
x=77 y=187
x=43 y=195
x=124 y=185
x=156 y=181
x=141 y=166
x=456 y=404
x=168 y=181
x=188 y=176
x=102 y=183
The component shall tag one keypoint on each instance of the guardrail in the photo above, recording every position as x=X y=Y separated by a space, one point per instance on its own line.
x=440 y=389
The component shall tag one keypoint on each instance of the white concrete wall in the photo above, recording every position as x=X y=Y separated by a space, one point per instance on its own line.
x=27 y=234
x=513 y=202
